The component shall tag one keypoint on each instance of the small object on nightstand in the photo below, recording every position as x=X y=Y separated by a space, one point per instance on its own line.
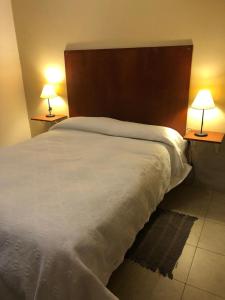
x=55 y=119
x=212 y=137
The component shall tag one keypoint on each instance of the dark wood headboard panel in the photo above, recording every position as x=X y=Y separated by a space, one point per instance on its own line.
x=144 y=85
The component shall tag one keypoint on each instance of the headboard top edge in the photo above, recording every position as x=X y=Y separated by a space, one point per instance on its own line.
x=188 y=46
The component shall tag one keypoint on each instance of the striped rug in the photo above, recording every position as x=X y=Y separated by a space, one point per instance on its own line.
x=160 y=243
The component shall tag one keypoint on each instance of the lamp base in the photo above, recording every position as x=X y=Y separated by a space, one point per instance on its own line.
x=50 y=116
x=201 y=134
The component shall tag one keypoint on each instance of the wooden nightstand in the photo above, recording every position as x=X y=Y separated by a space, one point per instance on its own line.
x=55 y=119
x=212 y=137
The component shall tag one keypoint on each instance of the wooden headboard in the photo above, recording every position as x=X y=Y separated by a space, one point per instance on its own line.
x=145 y=85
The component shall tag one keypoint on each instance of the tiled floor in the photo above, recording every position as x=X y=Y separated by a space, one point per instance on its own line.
x=200 y=271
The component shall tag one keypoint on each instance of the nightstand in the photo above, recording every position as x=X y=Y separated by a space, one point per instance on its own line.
x=55 y=119
x=212 y=137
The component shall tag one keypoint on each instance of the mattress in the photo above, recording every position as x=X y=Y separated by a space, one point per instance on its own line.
x=73 y=199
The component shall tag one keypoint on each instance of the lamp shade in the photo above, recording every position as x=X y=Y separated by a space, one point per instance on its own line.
x=203 y=100
x=48 y=92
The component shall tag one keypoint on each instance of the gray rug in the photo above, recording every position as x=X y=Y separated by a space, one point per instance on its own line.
x=160 y=243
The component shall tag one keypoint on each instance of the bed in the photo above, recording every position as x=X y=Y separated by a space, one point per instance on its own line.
x=73 y=199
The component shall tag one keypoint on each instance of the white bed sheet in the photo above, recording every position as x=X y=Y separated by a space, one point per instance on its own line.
x=71 y=204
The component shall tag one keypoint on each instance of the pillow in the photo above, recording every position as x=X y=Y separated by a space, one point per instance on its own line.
x=113 y=127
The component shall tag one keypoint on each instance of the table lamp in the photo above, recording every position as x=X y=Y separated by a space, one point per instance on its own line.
x=203 y=100
x=48 y=92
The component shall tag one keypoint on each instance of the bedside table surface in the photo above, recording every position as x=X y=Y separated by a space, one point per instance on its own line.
x=48 y=119
x=212 y=137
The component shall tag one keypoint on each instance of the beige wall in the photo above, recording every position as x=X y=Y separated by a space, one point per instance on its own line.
x=14 y=125
x=45 y=28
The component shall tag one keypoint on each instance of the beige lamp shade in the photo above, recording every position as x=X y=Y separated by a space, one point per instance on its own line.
x=203 y=100
x=48 y=92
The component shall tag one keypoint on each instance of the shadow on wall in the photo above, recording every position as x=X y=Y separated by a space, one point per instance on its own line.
x=125 y=44
x=209 y=164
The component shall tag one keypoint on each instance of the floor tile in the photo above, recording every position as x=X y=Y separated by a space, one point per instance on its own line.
x=196 y=294
x=188 y=199
x=213 y=237
x=183 y=266
x=132 y=282
x=208 y=272
x=216 y=210
x=195 y=232
x=206 y=280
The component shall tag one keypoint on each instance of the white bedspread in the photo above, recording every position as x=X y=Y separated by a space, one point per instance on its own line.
x=72 y=201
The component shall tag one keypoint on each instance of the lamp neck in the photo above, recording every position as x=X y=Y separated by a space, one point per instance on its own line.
x=203 y=111
x=49 y=115
x=49 y=107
